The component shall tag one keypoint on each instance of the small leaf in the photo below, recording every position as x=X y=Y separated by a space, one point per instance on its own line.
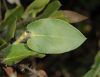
x=53 y=36
x=50 y=9
x=95 y=70
x=35 y=7
x=59 y=15
x=73 y=17
x=11 y=31
x=15 y=53
x=15 y=13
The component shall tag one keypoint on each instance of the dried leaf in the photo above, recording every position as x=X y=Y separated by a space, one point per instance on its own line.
x=74 y=17
x=42 y=73
x=10 y=71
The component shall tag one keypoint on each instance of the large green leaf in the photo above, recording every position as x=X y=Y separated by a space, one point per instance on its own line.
x=16 y=53
x=52 y=36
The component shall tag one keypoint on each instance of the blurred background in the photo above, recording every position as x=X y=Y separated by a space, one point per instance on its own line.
x=77 y=62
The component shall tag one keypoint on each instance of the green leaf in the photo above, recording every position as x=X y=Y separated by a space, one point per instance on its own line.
x=50 y=9
x=15 y=53
x=95 y=70
x=53 y=36
x=59 y=15
x=11 y=17
x=11 y=31
x=35 y=7
x=8 y=13
x=90 y=74
x=2 y=43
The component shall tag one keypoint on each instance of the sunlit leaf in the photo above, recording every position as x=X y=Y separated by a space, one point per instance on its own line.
x=16 y=53
x=52 y=36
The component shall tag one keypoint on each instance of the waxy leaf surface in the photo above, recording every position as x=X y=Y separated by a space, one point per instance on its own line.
x=16 y=53
x=53 y=36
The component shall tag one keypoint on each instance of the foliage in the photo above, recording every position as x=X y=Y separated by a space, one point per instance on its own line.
x=45 y=30
x=95 y=70
x=52 y=36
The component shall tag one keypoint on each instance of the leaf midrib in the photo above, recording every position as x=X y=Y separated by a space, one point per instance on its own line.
x=52 y=36
x=16 y=57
